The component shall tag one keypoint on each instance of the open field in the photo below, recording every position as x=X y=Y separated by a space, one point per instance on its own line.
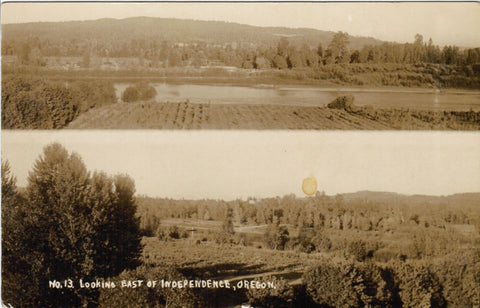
x=186 y=115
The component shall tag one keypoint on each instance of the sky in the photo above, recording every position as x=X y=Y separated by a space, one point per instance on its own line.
x=446 y=23
x=239 y=164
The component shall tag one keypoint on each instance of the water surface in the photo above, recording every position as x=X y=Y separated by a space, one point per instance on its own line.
x=314 y=96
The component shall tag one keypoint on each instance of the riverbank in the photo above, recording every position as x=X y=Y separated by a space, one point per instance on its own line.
x=424 y=75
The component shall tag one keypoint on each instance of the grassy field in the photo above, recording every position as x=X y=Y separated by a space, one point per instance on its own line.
x=185 y=115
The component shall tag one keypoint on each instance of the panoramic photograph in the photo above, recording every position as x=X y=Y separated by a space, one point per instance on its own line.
x=253 y=219
x=311 y=66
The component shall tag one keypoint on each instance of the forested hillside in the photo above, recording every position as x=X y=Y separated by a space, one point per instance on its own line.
x=174 y=42
x=126 y=37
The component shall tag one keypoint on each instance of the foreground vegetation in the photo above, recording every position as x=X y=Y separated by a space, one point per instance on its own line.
x=68 y=224
x=35 y=103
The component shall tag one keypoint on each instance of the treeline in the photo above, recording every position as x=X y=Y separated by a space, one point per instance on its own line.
x=320 y=211
x=386 y=74
x=322 y=224
x=284 y=55
x=35 y=103
x=416 y=64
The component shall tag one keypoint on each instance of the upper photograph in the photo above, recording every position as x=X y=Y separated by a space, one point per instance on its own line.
x=244 y=66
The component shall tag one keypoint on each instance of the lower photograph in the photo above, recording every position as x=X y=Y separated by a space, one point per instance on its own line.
x=240 y=219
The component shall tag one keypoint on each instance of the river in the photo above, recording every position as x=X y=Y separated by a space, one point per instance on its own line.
x=429 y=99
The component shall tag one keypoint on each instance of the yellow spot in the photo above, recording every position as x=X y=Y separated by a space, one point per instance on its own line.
x=309 y=185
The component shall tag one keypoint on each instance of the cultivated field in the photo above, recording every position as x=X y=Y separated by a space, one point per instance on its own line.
x=186 y=115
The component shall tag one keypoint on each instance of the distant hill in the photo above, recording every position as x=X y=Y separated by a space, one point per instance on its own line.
x=382 y=197
x=466 y=199
x=166 y=29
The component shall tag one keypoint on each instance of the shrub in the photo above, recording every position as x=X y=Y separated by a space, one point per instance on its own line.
x=342 y=102
x=138 y=92
x=351 y=285
x=357 y=249
x=419 y=286
x=459 y=274
x=131 y=94
x=33 y=103
x=281 y=296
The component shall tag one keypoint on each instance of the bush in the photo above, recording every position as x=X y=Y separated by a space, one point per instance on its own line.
x=33 y=103
x=459 y=274
x=322 y=243
x=357 y=249
x=419 y=286
x=351 y=285
x=138 y=92
x=131 y=94
x=342 y=102
x=281 y=296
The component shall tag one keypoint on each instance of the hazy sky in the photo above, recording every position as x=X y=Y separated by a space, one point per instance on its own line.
x=445 y=23
x=231 y=164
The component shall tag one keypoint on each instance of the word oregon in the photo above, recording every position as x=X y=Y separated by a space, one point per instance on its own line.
x=215 y=284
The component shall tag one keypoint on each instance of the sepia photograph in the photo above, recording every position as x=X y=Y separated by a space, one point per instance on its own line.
x=313 y=66
x=240 y=154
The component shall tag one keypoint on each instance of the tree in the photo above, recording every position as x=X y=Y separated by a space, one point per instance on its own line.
x=320 y=53
x=418 y=50
x=282 y=47
x=279 y=62
x=80 y=226
x=276 y=236
x=337 y=49
x=355 y=57
x=227 y=232
x=18 y=263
